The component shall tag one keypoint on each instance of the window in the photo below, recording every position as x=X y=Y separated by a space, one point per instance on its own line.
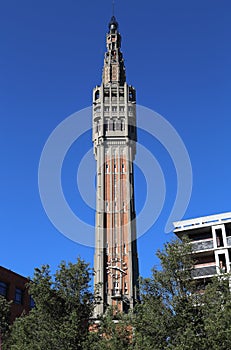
x=106 y=125
x=123 y=168
x=97 y=95
x=124 y=206
x=107 y=168
x=222 y=263
x=116 y=285
x=114 y=108
x=97 y=109
x=18 y=299
x=219 y=238
x=32 y=303
x=3 y=289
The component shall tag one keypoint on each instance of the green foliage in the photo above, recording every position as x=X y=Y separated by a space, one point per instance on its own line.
x=63 y=308
x=113 y=332
x=4 y=318
x=173 y=315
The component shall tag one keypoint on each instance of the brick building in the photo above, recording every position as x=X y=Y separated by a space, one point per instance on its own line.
x=13 y=288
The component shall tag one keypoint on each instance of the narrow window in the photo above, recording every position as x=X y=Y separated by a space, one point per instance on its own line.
x=3 y=289
x=222 y=263
x=97 y=95
x=106 y=126
x=124 y=206
x=219 y=238
x=123 y=168
x=32 y=302
x=125 y=249
x=18 y=298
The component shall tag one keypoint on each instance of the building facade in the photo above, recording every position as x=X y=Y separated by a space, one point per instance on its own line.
x=211 y=243
x=13 y=288
x=114 y=138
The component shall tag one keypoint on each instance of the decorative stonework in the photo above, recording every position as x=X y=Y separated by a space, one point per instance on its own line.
x=114 y=137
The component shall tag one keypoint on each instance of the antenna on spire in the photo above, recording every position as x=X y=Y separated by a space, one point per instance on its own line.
x=113 y=7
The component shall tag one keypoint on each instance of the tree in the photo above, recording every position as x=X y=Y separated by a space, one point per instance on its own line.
x=112 y=332
x=4 y=319
x=173 y=314
x=216 y=305
x=60 y=318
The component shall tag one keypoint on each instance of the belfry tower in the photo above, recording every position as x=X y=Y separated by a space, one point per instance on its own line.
x=114 y=137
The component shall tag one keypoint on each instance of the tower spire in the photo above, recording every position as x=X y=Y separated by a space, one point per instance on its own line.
x=114 y=69
x=113 y=7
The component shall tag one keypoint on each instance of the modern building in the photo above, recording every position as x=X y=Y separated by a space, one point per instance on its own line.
x=13 y=288
x=114 y=137
x=211 y=243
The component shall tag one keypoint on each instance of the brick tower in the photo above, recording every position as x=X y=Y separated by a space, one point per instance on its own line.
x=114 y=137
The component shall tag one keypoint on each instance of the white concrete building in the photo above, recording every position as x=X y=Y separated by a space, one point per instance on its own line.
x=211 y=243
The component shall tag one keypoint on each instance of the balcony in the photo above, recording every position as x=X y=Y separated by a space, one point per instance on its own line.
x=203 y=245
x=204 y=271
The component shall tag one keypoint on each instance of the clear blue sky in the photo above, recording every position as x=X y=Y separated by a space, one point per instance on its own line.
x=177 y=55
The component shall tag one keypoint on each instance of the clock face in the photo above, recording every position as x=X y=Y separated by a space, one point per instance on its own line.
x=112 y=268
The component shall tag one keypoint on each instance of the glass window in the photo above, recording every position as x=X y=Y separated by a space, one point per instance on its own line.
x=32 y=303
x=18 y=299
x=3 y=288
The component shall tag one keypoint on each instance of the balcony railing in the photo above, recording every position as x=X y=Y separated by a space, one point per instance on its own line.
x=203 y=245
x=204 y=271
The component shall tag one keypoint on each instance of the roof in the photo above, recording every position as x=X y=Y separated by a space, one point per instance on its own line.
x=203 y=221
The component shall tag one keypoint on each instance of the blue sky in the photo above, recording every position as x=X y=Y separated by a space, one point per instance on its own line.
x=177 y=55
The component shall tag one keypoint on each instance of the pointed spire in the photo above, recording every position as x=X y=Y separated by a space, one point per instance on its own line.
x=113 y=7
x=113 y=25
